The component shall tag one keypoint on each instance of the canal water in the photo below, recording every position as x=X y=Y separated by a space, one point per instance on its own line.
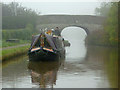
x=83 y=67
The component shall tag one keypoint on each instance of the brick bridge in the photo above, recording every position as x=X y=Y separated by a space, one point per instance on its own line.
x=87 y=22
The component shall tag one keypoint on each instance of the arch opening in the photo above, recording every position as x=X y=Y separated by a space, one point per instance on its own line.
x=73 y=33
x=84 y=28
x=76 y=36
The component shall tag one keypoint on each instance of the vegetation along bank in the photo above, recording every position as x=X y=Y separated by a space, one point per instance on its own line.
x=14 y=52
x=19 y=26
x=109 y=35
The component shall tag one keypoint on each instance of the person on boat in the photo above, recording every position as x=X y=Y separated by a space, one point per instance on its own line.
x=57 y=31
x=49 y=32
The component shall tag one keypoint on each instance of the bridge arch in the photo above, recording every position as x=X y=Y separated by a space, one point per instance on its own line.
x=84 y=28
x=87 y=22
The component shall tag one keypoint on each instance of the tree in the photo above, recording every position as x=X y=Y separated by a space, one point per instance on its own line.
x=14 y=16
x=15 y=9
x=111 y=26
x=103 y=10
x=109 y=34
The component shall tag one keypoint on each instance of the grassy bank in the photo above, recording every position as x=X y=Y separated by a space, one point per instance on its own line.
x=8 y=44
x=14 y=52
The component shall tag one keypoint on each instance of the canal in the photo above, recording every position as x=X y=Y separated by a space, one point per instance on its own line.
x=83 y=67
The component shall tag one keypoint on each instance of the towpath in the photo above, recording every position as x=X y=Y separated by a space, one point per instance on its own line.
x=14 y=46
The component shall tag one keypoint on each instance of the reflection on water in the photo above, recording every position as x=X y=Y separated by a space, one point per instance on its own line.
x=0 y=75
x=84 y=67
x=44 y=73
x=104 y=59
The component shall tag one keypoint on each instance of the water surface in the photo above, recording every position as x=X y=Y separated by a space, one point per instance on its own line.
x=83 y=67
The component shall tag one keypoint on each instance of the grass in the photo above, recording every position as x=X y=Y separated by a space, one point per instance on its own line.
x=14 y=52
x=7 y=44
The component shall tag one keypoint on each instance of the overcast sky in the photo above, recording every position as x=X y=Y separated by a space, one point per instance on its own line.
x=71 y=7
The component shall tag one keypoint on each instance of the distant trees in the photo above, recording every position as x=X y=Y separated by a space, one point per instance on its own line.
x=15 y=9
x=111 y=25
x=103 y=10
x=109 y=35
x=22 y=34
x=14 y=16
x=17 y=21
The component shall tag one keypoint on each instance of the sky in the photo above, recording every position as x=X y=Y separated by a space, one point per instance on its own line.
x=69 y=7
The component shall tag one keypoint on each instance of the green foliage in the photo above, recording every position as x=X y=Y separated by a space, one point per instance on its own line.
x=99 y=37
x=13 y=52
x=14 y=16
x=29 y=27
x=17 y=22
x=17 y=34
x=7 y=44
x=111 y=26
x=15 y=9
x=109 y=35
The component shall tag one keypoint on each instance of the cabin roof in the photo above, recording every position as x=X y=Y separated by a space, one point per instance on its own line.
x=50 y=40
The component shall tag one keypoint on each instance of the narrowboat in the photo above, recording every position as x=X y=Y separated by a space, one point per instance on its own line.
x=46 y=47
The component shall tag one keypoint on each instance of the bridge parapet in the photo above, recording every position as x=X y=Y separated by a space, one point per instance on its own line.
x=87 y=22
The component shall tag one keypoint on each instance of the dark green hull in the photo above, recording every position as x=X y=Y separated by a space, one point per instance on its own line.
x=43 y=55
x=44 y=42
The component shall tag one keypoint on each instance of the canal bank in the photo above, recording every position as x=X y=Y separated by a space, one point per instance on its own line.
x=14 y=51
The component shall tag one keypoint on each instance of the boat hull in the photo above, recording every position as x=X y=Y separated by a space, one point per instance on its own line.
x=43 y=55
